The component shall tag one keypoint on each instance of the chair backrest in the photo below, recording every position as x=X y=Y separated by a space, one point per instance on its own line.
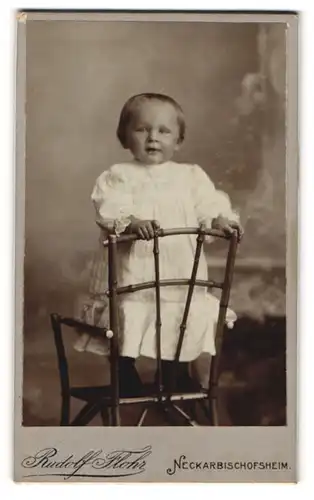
x=114 y=290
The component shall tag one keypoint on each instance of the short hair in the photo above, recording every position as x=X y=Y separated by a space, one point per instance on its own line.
x=130 y=106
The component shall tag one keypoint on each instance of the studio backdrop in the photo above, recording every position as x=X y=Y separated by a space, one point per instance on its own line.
x=230 y=80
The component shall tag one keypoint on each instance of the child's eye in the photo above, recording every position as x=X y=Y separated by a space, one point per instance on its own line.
x=164 y=130
x=141 y=129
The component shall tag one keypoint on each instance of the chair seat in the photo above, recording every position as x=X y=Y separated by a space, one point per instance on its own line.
x=94 y=393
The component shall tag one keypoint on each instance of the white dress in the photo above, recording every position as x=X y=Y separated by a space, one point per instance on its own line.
x=176 y=195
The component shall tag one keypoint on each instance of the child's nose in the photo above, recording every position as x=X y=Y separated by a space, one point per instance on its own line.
x=152 y=135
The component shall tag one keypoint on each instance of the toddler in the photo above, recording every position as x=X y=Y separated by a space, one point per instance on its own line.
x=147 y=192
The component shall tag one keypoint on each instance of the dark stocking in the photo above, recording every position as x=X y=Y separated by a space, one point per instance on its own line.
x=182 y=380
x=130 y=383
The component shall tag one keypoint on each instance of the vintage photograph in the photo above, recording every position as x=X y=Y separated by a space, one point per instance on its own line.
x=156 y=247
x=155 y=223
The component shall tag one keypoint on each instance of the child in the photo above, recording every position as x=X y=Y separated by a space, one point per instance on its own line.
x=148 y=192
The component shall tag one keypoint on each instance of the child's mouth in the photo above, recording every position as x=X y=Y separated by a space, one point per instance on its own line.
x=152 y=150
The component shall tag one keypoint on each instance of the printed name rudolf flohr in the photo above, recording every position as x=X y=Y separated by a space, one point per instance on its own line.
x=94 y=463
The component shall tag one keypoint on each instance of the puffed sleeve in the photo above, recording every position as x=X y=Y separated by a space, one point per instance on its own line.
x=112 y=199
x=209 y=202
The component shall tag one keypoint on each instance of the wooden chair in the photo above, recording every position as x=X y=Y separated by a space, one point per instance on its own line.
x=105 y=400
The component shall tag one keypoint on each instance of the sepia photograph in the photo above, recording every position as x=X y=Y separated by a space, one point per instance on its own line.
x=154 y=260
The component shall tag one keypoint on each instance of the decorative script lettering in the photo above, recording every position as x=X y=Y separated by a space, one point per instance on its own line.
x=94 y=463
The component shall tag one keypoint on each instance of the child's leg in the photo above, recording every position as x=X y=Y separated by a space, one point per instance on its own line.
x=130 y=383
x=179 y=381
x=185 y=382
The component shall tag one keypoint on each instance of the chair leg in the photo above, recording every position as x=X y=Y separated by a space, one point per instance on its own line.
x=166 y=412
x=82 y=417
x=213 y=408
x=207 y=410
x=65 y=410
x=105 y=415
x=187 y=418
x=142 y=417
x=190 y=408
x=86 y=415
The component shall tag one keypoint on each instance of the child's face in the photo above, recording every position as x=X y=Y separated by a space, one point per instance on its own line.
x=153 y=134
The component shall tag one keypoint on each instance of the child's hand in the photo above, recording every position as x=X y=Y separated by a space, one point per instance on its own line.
x=145 y=229
x=227 y=226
